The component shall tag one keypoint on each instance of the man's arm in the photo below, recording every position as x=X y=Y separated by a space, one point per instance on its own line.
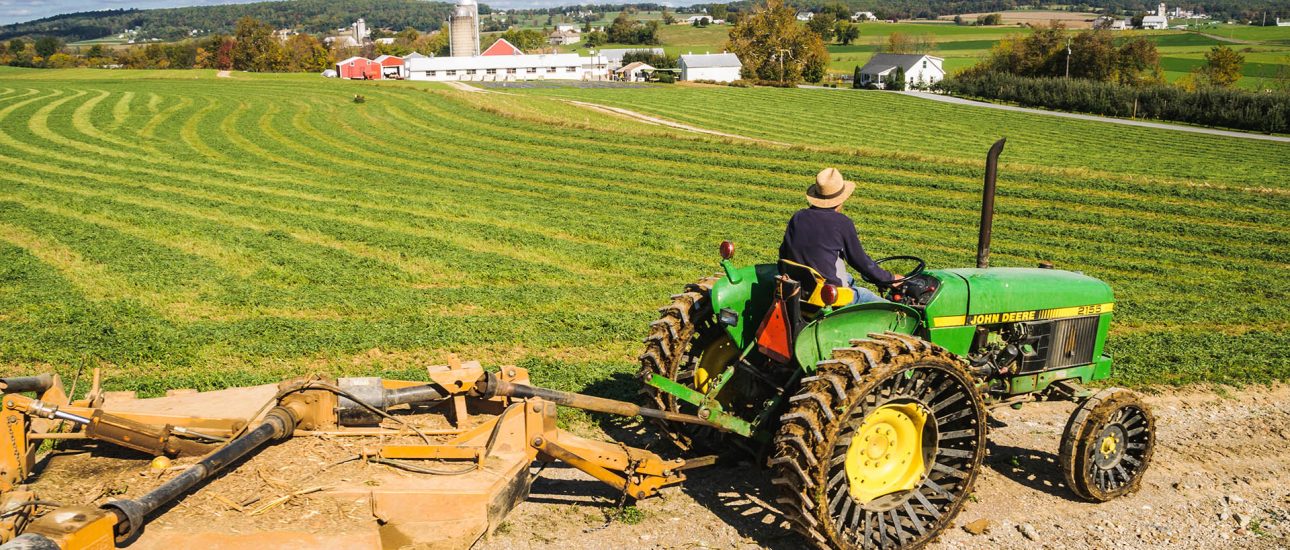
x=860 y=261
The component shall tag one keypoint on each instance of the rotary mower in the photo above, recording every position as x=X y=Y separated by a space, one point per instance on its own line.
x=873 y=417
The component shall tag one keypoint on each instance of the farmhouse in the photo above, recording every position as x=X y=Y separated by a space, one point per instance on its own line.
x=720 y=67
x=918 y=68
x=1157 y=21
x=563 y=38
x=864 y=16
x=613 y=57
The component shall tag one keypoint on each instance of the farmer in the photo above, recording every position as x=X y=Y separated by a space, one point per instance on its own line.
x=825 y=239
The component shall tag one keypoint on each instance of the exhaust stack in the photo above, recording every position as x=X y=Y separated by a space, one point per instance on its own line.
x=987 y=204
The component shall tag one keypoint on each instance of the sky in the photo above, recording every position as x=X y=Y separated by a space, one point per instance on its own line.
x=14 y=11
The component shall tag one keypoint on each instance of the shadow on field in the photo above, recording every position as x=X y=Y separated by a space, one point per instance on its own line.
x=1036 y=470
x=736 y=489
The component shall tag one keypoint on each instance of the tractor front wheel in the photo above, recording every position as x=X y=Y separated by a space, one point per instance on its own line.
x=881 y=446
x=1107 y=445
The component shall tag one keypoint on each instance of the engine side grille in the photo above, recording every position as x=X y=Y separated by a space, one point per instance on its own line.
x=1071 y=342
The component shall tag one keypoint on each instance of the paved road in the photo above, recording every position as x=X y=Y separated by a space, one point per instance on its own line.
x=1163 y=126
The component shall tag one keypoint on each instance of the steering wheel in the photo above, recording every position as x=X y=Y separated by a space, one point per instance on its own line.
x=913 y=273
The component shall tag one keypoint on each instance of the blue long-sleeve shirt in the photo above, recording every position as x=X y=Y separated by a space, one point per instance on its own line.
x=826 y=240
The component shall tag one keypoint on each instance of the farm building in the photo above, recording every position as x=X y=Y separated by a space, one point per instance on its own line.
x=614 y=56
x=499 y=68
x=502 y=47
x=1157 y=21
x=391 y=67
x=919 y=68
x=721 y=67
x=635 y=71
x=358 y=68
x=563 y=38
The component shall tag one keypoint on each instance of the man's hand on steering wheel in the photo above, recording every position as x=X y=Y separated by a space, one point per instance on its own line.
x=894 y=283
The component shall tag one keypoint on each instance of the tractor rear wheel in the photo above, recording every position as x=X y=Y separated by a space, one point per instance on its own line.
x=881 y=446
x=686 y=345
x=1107 y=445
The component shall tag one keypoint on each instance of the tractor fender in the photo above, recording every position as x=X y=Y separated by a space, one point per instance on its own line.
x=838 y=328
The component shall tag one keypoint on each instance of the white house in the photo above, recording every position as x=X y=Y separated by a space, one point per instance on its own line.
x=499 y=68
x=919 y=68
x=721 y=67
x=614 y=56
x=563 y=38
x=864 y=16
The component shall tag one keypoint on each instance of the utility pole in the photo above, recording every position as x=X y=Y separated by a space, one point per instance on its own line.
x=1068 y=58
x=782 y=53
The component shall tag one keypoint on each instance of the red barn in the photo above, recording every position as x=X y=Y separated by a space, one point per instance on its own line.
x=391 y=67
x=359 y=68
x=502 y=47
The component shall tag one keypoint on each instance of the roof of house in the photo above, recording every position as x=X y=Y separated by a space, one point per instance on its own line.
x=710 y=60
x=391 y=59
x=616 y=54
x=352 y=59
x=414 y=55
x=883 y=62
x=502 y=47
x=1155 y=19
x=635 y=66
x=497 y=62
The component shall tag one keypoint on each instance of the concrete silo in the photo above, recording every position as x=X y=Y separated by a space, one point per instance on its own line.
x=463 y=29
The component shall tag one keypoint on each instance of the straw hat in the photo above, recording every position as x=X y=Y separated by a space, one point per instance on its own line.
x=830 y=189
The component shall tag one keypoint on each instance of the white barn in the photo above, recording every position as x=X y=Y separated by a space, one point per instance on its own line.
x=719 y=67
x=499 y=68
x=919 y=68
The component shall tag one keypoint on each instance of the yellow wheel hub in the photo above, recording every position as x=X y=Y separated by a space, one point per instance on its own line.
x=886 y=454
x=715 y=358
x=1108 y=445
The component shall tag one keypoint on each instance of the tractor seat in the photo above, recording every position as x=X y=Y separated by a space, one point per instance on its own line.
x=811 y=282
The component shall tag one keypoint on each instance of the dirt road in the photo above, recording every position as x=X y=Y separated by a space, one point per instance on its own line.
x=1220 y=478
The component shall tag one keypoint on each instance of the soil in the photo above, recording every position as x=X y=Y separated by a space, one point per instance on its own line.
x=1220 y=478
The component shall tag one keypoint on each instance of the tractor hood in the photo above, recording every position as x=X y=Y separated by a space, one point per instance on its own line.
x=1010 y=294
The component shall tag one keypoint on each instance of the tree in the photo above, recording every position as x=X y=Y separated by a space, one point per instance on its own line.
x=1093 y=56
x=95 y=51
x=718 y=11
x=855 y=78
x=773 y=47
x=899 y=42
x=822 y=25
x=668 y=18
x=846 y=32
x=48 y=45
x=524 y=39
x=595 y=39
x=16 y=46
x=895 y=80
x=625 y=30
x=306 y=54
x=1138 y=63
x=989 y=19
x=1222 y=67
x=257 y=50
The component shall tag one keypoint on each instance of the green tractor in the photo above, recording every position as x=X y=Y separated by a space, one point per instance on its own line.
x=873 y=417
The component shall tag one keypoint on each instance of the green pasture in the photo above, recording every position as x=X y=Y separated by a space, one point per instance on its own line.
x=183 y=230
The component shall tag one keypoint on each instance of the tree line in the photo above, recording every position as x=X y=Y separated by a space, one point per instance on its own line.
x=170 y=24
x=252 y=46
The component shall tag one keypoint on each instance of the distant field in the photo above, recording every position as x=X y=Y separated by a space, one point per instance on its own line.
x=1074 y=20
x=187 y=230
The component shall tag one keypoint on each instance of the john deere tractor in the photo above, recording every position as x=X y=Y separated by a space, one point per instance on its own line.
x=873 y=417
